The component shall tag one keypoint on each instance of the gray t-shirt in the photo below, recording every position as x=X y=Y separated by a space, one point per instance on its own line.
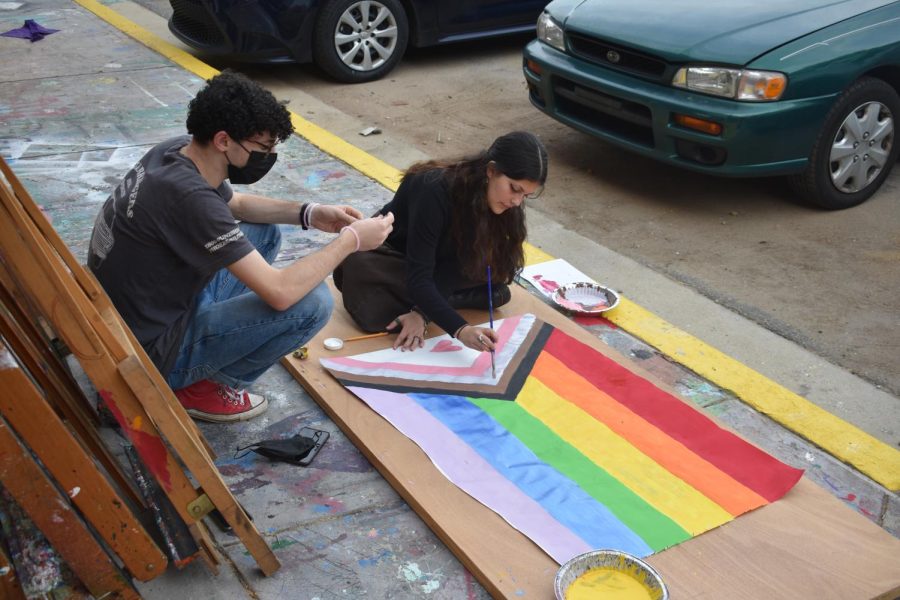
x=158 y=240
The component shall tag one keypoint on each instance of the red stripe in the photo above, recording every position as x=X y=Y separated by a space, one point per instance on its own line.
x=767 y=476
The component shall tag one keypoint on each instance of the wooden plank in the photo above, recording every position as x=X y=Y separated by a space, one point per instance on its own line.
x=45 y=366
x=90 y=286
x=210 y=553
x=807 y=545
x=109 y=314
x=26 y=410
x=33 y=349
x=180 y=436
x=50 y=511
x=10 y=588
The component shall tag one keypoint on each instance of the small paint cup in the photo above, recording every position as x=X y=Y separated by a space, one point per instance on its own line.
x=333 y=343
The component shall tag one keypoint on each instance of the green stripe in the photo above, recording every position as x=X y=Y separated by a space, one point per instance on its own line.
x=655 y=528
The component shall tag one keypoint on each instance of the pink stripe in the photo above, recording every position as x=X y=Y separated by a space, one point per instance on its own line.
x=478 y=367
x=471 y=473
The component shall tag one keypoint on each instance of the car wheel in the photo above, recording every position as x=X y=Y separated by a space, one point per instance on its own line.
x=856 y=148
x=360 y=40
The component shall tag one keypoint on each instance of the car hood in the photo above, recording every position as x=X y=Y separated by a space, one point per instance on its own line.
x=730 y=32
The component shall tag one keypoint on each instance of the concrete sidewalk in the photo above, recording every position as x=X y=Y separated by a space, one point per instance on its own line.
x=79 y=107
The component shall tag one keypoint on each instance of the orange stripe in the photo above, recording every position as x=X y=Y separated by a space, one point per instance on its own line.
x=719 y=487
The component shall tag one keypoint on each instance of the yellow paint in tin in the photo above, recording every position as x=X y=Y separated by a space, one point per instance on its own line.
x=611 y=583
x=608 y=575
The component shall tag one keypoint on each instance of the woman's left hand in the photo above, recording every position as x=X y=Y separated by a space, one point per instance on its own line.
x=332 y=218
x=412 y=330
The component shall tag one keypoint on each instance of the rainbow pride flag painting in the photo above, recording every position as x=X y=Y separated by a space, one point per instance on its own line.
x=568 y=446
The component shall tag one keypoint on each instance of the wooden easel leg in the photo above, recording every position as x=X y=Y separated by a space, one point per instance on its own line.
x=182 y=439
x=39 y=427
x=9 y=584
x=120 y=370
x=59 y=388
x=50 y=511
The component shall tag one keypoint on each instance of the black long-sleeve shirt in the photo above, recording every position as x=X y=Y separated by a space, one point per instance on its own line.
x=422 y=221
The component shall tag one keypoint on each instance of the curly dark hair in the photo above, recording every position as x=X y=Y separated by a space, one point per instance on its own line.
x=232 y=103
x=498 y=238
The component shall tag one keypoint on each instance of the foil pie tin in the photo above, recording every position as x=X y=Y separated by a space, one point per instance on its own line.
x=621 y=562
x=585 y=298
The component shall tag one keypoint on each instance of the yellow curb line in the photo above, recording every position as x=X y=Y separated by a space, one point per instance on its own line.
x=842 y=440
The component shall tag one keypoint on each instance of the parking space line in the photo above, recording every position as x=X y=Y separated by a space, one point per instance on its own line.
x=844 y=441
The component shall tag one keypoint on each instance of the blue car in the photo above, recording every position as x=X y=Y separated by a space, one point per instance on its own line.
x=351 y=40
x=806 y=88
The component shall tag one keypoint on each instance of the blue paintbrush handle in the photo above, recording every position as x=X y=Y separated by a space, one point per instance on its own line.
x=490 y=298
x=491 y=316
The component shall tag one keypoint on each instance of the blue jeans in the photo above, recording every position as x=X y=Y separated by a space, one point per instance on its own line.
x=234 y=336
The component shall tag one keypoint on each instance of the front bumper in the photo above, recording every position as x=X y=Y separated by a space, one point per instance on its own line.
x=245 y=31
x=758 y=139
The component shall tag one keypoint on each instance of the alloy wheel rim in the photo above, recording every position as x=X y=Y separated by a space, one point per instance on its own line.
x=366 y=35
x=861 y=147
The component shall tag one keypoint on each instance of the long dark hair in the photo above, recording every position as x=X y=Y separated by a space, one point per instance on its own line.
x=483 y=238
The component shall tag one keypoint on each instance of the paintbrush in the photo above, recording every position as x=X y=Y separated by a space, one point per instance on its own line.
x=338 y=343
x=365 y=337
x=491 y=317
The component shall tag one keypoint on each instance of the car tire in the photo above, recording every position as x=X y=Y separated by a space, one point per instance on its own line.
x=847 y=165
x=354 y=46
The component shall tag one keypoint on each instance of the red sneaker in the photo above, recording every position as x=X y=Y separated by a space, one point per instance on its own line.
x=218 y=403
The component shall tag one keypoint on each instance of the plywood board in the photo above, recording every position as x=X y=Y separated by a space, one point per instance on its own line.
x=36 y=494
x=807 y=545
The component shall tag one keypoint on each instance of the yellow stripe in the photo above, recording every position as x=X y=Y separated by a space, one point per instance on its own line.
x=668 y=494
x=847 y=443
x=534 y=255
x=176 y=55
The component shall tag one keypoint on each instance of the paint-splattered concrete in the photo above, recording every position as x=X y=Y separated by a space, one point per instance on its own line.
x=76 y=111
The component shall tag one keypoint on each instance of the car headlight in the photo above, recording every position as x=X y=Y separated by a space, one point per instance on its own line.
x=739 y=84
x=549 y=32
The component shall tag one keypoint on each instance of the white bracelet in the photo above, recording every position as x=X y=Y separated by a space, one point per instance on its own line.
x=356 y=235
x=309 y=213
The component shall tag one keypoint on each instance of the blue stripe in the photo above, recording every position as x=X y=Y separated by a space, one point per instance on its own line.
x=560 y=496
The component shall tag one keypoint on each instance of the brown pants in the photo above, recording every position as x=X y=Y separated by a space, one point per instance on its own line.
x=373 y=285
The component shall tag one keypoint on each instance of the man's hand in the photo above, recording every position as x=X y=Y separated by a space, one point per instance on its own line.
x=331 y=219
x=373 y=231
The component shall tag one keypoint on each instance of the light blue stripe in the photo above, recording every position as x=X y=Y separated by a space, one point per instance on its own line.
x=560 y=496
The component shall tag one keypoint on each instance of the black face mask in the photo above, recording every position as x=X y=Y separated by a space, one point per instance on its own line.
x=299 y=449
x=258 y=164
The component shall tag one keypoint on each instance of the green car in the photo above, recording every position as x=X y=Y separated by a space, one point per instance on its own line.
x=807 y=88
